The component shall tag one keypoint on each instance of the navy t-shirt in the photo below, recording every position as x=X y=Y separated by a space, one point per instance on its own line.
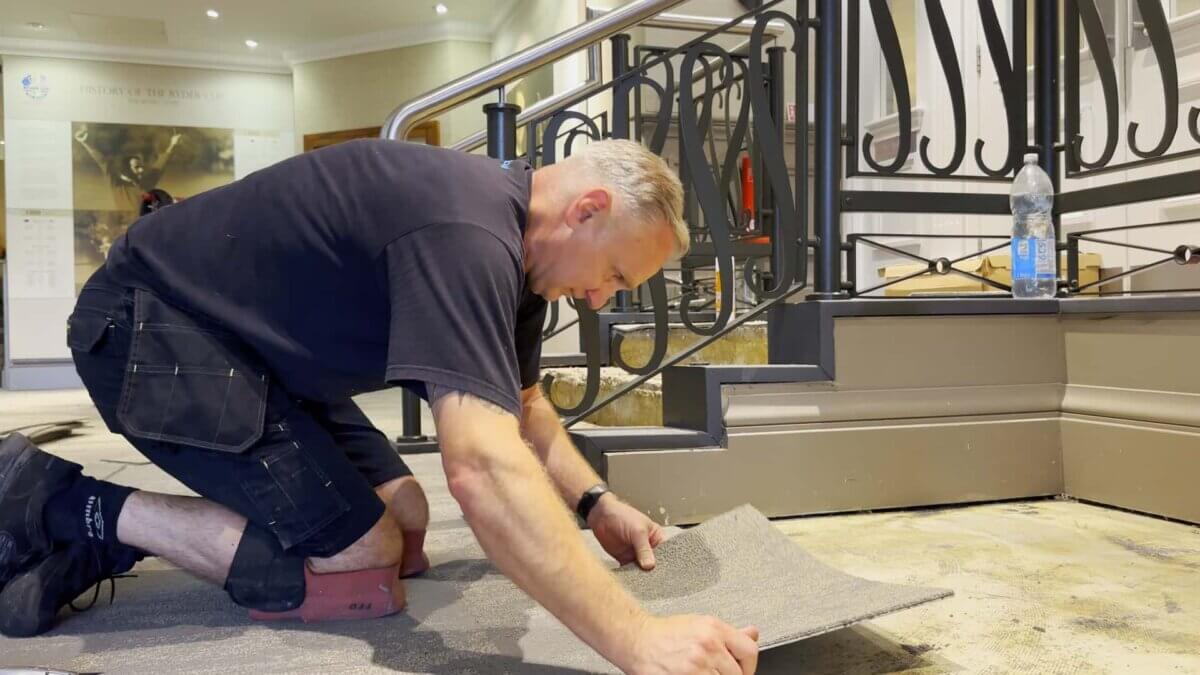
x=356 y=266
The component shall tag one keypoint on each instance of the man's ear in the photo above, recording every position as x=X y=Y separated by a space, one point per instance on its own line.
x=593 y=202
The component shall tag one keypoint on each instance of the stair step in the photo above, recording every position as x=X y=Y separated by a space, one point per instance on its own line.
x=640 y=407
x=596 y=442
x=693 y=400
x=744 y=345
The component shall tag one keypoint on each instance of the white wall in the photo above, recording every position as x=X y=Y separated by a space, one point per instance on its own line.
x=358 y=91
x=530 y=22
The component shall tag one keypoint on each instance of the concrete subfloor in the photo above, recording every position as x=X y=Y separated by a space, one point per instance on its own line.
x=1040 y=587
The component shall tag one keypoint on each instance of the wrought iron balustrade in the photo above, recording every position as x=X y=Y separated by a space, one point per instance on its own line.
x=706 y=91
x=1061 y=150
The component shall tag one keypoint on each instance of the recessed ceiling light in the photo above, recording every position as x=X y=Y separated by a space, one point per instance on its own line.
x=213 y=14
x=441 y=8
x=251 y=44
x=36 y=25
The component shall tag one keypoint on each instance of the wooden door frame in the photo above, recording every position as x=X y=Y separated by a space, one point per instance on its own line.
x=429 y=132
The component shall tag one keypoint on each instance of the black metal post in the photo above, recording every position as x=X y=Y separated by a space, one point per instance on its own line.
x=501 y=144
x=1046 y=101
x=410 y=411
x=775 y=97
x=502 y=129
x=620 y=66
x=827 y=209
x=1072 y=263
x=620 y=54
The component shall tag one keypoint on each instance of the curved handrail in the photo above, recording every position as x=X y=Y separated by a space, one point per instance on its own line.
x=467 y=87
x=593 y=83
x=586 y=88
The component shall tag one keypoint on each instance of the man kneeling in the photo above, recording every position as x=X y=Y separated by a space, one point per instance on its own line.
x=226 y=336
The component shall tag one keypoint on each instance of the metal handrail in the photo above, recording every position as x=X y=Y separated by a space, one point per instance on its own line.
x=594 y=83
x=587 y=88
x=698 y=24
x=465 y=88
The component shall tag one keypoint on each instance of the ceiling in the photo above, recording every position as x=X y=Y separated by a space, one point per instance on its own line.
x=287 y=31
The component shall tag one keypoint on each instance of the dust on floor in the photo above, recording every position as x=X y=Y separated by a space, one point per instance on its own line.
x=1040 y=587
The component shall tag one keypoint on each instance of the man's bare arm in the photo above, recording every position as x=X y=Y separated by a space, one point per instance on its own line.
x=540 y=425
x=521 y=524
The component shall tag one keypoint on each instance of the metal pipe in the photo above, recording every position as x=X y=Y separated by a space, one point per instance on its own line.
x=465 y=88
x=699 y=24
x=410 y=415
x=586 y=88
x=594 y=78
x=1046 y=100
x=502 y=130
x=828 y=170
x=623 y=302
x=579 y=92
x=775 y=97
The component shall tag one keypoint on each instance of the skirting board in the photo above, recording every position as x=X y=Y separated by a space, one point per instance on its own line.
x=40 y=376
x=829 y=468
x=1140 y=466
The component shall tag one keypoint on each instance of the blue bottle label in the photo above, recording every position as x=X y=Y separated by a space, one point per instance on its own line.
x=1033 y=258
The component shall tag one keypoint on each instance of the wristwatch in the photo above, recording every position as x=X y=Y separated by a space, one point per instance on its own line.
x=589 y=500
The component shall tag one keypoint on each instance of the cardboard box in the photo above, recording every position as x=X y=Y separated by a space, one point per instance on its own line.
x=997 y=267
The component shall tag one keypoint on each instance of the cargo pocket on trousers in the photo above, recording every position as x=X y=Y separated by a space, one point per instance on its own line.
x=86 y=329
x=189 y=383
x=294 y=496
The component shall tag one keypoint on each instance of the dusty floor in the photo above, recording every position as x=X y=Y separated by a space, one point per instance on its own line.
x=1040 y=587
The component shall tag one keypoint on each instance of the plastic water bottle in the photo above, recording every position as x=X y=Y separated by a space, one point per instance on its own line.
x=1033 y=240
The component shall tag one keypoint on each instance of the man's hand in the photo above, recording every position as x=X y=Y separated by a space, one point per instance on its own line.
x=683 y=645
x=624 y=532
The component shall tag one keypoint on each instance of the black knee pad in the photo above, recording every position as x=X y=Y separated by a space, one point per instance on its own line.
x=263 y=576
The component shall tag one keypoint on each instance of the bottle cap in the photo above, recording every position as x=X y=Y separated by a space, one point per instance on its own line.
x=1031 y=158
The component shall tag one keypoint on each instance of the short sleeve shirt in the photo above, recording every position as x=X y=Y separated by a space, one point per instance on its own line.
x=357 y=266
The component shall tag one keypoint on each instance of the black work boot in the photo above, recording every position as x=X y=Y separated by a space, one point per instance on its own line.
x=28 y=478
x=30 y=602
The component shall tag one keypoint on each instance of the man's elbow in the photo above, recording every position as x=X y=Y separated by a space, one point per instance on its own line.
x=472 y=474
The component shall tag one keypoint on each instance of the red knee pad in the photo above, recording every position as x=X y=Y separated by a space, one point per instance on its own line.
x=365 y=594
x=414 y=561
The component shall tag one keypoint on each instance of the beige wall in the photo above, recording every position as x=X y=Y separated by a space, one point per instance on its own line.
x=361 y=90
x=530 y=22
x=3 y=214
x=3 y=211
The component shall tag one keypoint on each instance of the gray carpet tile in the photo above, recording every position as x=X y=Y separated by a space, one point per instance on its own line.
x=464 y=617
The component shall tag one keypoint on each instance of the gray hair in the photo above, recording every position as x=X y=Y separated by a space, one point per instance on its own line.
x=643 y=181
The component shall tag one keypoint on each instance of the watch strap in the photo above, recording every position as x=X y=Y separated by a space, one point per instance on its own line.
x=589 y=500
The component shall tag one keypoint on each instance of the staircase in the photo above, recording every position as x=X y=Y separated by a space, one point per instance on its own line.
x=807 y=395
